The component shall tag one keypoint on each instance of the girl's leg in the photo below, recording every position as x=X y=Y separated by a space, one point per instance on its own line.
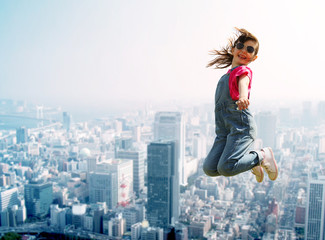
x=210 y=165
x=236 y=157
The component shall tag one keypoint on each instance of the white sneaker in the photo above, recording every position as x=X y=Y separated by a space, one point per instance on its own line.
x=269 y=163
x=258 y=172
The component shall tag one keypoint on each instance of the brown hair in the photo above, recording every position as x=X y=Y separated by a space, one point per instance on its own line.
x=224 y=57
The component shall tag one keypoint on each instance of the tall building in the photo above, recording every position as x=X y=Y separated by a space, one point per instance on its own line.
x=138 y=158
x=171 y=126
x=117 y=226
x=22 y=135
x=266 y=125
x=88 y=222
x=321 y=143
x=66 y=121
x=107 y=222
x=132 y=216
x=123 y=168
x=199 y=146
x=38 y=197
x=136 y=231
x=58 y=216
x=8 y=198
x=78 y=214
x=307 y=118
x=136 y=134
x=103 y=188
x=98 y=211
x=321 y=111
x=163 y=184
x=315 y=222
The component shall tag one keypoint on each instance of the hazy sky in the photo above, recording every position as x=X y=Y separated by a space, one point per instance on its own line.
x=99 y=53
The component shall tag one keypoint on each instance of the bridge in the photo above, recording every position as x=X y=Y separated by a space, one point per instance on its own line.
x=34 y=130
x=25 y=117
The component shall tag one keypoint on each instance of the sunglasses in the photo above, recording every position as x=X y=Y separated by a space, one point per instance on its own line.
x=240 y=46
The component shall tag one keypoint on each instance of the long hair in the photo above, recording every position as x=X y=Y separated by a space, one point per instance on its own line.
x=224 y=56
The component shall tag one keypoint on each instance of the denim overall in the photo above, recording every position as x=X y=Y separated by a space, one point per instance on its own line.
x=236 y=132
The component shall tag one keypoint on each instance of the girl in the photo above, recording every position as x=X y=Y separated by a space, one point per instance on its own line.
x=235 y=126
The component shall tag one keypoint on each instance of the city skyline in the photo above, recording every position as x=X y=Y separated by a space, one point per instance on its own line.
x=110 y=54
x=70 y=156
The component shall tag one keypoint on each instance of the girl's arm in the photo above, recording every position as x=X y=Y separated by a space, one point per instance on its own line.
x=243 y=101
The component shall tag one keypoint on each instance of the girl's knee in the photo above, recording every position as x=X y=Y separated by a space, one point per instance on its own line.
x=208 y=171
x=225 y=170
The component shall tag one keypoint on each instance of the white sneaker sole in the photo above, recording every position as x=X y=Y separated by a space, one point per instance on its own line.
x=269 y=155
x=259 y=178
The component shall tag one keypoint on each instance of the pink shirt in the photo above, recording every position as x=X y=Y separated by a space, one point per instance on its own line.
x=235 y=73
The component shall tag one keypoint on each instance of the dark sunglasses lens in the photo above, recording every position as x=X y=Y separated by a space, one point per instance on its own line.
x=239 y=45
x=250 y=49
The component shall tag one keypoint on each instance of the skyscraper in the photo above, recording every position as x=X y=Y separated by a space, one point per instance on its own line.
x=38 y=197
x=66 y=121
x=163 y=184
x=199 y=146
x=307 y=118
x=123 y=168
x=138 y=158
x=21 y=135
x=8 y=198
x=315 y=222
x=103 y=188
x=171 y=126
x=266 y=125
x=321 y=111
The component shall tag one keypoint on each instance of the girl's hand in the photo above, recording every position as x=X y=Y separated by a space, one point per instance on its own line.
x=242 y=103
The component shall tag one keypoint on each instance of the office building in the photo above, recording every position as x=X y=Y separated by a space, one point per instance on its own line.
x=8 y=198
x=136 y=231
x=136 y=134
x=106 y=222
x=66 y=121
x=307 y=118
x=163 y=184
x=88 y=222
x=103 y=188
x=199 y=146
x=21 y=214
x=98 y=210
x=78 y=214
x=58 y=216
x=314 y=226
x=22 y=135
x=171 y=126
x=321 y=111
x=123 y=168
x=152 y=233
x=117 y=226
x=11 y=214
x=266 y=125
x=321 y=144
x=92 y=163
x=38 y=197
x=132 y=216
x=138 y=158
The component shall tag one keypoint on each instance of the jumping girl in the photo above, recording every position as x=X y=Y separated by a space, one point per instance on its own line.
x=235 y=126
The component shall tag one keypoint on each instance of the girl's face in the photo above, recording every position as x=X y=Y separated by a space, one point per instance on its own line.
x=243 y=54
